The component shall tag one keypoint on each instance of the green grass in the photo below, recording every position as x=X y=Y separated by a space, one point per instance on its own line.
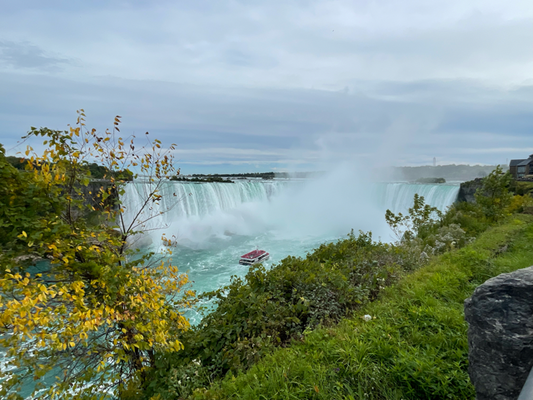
x=415 y=347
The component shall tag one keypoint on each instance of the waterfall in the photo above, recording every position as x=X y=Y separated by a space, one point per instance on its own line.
x=398 y=197
x=195 y=213
x=181 y=200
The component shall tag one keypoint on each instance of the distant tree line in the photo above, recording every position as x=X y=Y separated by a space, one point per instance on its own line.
x=431 y=180
x=209 y=178
x=262 y=175
x=450 y=172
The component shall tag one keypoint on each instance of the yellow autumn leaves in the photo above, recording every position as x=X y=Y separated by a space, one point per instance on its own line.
x=90 y=307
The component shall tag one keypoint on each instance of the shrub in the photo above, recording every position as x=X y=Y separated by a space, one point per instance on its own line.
x=494 y=197
x=92 y=311
x=520 y=203
x=469 y=216
x=420 y=221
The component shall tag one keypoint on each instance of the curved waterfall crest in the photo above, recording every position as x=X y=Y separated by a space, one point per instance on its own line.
x=187 y=200
x=181 y=200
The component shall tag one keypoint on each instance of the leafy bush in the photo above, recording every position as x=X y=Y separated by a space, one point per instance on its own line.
x=93 y=311
x=520 y=203
x=418 y=223
x=25 y=205
x=494 y=196
x=469 y=216
x=521 y=188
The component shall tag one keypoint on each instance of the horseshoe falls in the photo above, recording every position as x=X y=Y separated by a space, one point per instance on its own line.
x=193 y=212
x=213 y=224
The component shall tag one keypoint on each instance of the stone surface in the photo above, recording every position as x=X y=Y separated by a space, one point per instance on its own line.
x=468 y=189
x=500 y=335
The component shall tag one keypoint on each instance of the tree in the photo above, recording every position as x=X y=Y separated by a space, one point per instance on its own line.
x=88 y=317
x=494 y=196
x=24 y=205
x=420 y=217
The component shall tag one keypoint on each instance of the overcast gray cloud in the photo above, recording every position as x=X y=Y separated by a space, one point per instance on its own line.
x=280 y=84
x=25 y=55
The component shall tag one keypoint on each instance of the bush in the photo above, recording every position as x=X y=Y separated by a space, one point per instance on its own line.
x=469 y=216
x=521 y=188
x=90 y=309
x=520 y=204
x=494 y=197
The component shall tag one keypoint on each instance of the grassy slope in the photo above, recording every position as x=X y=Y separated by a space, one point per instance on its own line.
x=414 y=348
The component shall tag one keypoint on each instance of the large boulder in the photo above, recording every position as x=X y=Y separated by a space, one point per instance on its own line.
x=500 y=335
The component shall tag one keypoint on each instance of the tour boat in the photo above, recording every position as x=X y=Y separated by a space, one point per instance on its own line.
x=254 y=257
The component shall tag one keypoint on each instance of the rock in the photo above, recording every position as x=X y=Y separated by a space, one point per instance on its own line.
x=500 y=335
x=468 y=189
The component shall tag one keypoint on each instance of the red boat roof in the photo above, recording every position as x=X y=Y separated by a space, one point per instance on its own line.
x=254 y=254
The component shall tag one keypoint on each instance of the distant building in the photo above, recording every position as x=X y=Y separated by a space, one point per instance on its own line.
x=521 y=168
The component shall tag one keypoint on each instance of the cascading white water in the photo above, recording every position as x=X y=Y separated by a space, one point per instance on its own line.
x=398 y=197
x=183 y=200
x=194 y=212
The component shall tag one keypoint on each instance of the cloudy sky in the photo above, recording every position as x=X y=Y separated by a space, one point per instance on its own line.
x=278 y=85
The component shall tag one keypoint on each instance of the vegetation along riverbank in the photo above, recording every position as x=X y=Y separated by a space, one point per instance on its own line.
x=357 y=318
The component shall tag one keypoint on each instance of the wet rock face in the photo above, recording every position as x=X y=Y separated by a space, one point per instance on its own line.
x=500 y=335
